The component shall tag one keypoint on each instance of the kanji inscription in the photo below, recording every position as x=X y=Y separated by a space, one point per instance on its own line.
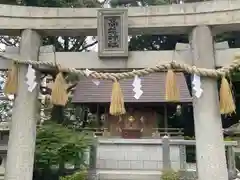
x=113 y=32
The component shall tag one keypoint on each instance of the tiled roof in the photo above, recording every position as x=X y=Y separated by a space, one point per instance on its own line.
x=153 y=87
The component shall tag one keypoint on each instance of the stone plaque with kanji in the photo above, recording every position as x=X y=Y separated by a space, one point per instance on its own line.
x=112 y=33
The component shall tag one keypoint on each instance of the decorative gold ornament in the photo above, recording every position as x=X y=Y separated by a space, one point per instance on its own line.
x=131 y=119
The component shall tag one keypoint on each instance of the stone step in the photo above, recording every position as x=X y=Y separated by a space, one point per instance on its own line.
x=128 y=175
x=131 y=175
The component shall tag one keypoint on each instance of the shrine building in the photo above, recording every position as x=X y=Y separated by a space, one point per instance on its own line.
x=145 y=116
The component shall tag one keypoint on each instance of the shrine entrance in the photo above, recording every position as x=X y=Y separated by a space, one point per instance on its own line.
x=201 y=58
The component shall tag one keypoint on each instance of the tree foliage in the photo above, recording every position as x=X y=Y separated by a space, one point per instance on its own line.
x=58 y=146
x=82 y=175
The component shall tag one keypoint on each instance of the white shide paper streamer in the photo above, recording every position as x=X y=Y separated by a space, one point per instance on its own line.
x=137 y=87
x=31 y=78
x=196 y=82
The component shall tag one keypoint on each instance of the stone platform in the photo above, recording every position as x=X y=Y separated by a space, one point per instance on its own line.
x=129 y=159
x=134 y=154
x=140 y=159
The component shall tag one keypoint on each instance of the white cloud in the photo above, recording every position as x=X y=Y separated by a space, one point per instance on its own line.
x=90 y=40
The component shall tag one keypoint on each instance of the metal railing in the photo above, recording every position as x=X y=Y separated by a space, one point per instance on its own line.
x=159 y=132
x=156 y=132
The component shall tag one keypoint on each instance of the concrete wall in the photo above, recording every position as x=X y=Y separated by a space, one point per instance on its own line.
x=130 y=159
x=135 y=156
x=124 y=159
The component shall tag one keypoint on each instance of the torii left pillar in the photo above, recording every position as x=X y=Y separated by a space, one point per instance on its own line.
x=21 y=144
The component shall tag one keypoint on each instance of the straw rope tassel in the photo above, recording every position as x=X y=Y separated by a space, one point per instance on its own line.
x=172 y=91
x=117 y=106
x=11 y=84
x=59 y=94
x=227 y=104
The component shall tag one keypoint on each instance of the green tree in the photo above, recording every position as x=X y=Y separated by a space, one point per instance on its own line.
x=56 y=147
x=75 y=176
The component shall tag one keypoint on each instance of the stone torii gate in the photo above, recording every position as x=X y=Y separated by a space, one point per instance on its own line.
x=200 y=20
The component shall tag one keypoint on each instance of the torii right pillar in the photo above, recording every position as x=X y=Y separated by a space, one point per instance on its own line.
x=210 y=148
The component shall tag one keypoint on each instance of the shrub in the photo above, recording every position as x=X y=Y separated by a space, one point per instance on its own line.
x=170 y=175
x=82 y=175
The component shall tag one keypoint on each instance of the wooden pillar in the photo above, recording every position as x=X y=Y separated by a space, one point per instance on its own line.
x=21 y=144
x=211 y=159
x=165 y=116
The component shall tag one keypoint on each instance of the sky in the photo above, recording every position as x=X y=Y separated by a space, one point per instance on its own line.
x=93 y=48
x=2 y=46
